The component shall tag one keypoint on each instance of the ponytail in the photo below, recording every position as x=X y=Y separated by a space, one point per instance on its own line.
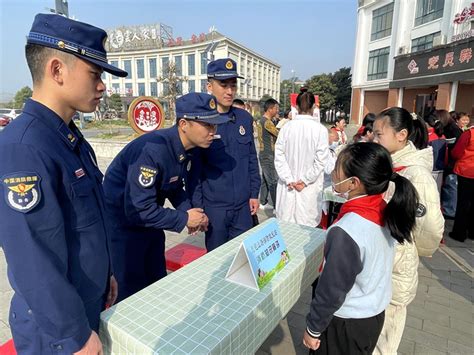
x=400 y=213
x=399 y=119
x=372 y=164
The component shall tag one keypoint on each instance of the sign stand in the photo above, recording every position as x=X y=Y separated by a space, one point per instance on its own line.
x=240 y=271
x=260 y=257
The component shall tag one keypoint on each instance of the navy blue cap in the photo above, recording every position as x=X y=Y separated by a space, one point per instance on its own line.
x=199 y=107
x=81 y=39
x=222 y=69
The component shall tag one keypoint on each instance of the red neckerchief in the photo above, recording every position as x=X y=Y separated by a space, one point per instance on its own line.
x=398 y=168
x=369 y=207
x=360 y=130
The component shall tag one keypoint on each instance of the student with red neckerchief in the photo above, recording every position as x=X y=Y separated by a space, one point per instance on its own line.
x=405 y=136
x=354 y=289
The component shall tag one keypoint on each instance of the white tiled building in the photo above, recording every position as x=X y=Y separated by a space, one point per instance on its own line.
x=401 y=51
x=143 y=54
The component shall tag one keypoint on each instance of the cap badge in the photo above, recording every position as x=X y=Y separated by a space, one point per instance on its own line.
x=61 y=44
x=242 y=130
x=229 y=65
x=212 y=104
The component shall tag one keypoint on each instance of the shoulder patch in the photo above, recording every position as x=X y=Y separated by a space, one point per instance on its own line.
x=147 y=176
x=22 y=190
x=420 y=210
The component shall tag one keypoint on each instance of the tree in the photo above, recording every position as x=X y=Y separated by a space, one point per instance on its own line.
x=172 y=88
x=343 y=81
x=285 y=90
x=323 y=86
x=21 y=96
x=115 y=102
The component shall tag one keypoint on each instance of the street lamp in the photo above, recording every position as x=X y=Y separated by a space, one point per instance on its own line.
x=293 y=79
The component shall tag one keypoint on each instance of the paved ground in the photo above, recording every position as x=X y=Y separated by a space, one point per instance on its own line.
x=440 y=319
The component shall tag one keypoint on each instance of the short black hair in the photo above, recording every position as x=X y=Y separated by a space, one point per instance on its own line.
x=269 y=104
x=37 y=56
x=238 y=102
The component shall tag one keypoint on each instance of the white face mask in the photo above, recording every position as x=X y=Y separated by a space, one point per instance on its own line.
x=344 y=195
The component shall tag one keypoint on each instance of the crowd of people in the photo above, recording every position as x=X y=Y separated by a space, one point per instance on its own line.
x=76 y=242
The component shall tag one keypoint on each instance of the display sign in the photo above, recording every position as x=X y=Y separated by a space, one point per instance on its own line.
x=145 y=114
x=451 y=59
x=260 y=257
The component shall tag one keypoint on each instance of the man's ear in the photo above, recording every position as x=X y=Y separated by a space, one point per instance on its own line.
x=54 y=70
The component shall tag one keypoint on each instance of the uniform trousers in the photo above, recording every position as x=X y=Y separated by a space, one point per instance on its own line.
x=139 y=260
x=226 y=224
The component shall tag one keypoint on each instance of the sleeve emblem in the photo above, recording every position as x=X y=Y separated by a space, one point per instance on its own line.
x=22 y=191
x=147 y=176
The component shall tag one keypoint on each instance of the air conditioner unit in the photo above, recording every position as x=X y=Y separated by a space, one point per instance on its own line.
x=439 y=40
x=402 y=50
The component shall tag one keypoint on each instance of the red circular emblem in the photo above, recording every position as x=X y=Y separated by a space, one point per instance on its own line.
x=145 y=114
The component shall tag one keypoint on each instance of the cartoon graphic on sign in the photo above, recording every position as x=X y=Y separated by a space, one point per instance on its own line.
x=145 y=115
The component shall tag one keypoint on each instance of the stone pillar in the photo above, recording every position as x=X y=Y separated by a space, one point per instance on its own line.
x=392 y=98
x=355 y=106
x=444 y=96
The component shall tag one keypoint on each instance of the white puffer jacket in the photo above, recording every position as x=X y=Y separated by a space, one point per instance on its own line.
x=416 y=166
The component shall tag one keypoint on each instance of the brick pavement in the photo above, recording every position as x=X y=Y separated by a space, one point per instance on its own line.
x=439 y=321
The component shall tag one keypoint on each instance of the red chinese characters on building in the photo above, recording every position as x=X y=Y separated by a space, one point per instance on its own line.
x=464 y=15
x=433 y=62
x=449 y=60
x=465 y=55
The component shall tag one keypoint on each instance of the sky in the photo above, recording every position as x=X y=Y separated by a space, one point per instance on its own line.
x=308 y=36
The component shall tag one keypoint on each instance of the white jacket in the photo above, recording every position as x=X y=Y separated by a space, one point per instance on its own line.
x=301 y=153
x=429 y=227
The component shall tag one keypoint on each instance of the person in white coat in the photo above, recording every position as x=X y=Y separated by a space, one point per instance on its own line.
x=301 y=153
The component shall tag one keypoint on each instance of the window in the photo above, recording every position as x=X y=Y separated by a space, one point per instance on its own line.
x=115 y=64
x=191 y=64
x=382 y=22
x=141 y=89
x=140 y=68
x=152 y=64
x=428 y=10
x=165 y=66
x=425 y=42
x=203 y=63
x=203 y=85
x=191 y=86
x=378 y=63
x=127 y=66
x=154 y=89
x=128 y=89
x=178 y=62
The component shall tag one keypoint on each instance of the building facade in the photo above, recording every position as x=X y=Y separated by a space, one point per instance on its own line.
x=147 y=51
x=416 y=54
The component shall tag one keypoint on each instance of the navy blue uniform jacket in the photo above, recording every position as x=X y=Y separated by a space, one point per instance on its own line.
x=147 y=171
x=226 y=174
x=53 y=230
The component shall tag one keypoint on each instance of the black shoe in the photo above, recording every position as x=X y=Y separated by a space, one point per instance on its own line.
x=457 y=237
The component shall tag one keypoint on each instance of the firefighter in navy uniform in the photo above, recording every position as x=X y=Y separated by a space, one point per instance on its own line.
x=53 y=230
x=145 y=173
x=227 y=175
